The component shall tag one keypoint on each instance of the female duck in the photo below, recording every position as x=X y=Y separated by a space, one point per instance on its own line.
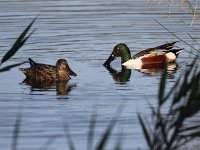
x=149 y=57
x=44 y=72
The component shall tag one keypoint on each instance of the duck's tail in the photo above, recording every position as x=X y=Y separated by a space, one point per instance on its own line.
x=32 y=62
x=177 y=51
x=24 y=70
x=166 y=46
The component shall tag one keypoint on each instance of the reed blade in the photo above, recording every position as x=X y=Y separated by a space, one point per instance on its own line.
x=19 y=42
x=7 y=68
x=178 y=38
x=105 y=137
x=162 y=86
x=49 y=141
x=145 y=131
x=91 y=131
x=16 y=131
x=68 y=137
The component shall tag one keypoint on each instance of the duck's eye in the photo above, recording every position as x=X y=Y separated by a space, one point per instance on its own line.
x=118 y=49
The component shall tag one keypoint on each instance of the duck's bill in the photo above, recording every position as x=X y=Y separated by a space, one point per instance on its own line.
x=109 y=60
x=71 y=73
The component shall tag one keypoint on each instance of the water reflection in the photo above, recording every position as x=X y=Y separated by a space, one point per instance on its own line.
x=155 y=69
x=124 y=74
x=62 y=87
x=121 y=76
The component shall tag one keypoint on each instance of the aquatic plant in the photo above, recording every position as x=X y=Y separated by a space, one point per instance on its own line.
x=171 y=129
x=104 y=138
x=21 y=40
x=100 y=145
x=194 y=51
x=189 y=7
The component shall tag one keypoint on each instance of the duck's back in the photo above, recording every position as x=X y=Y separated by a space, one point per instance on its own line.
x=39 y=71
x=159 y=50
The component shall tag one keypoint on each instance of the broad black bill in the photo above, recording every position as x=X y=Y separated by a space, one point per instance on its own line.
x=109 y=60
x=71 y=73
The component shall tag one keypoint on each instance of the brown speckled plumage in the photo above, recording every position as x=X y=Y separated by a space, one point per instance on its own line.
x=43 y=72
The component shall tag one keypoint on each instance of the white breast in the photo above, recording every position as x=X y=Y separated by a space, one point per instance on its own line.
x=133 y=63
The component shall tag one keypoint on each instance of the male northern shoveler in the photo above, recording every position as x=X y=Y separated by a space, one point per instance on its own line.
x=44 y=72
x=157 y=55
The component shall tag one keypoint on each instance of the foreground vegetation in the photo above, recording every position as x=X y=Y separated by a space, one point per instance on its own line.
x=21 y=40
x=190 y=7
x=172 y=129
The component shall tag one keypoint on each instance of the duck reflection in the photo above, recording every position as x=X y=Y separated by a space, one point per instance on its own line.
x=124 y=75
x=158 y=69
x=62 y=87
x=121 y=76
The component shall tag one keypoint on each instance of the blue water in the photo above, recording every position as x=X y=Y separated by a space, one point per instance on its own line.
x=84 y=33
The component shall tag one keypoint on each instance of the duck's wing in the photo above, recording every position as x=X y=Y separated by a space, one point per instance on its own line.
x=39 y=71
x=44 y=68
x=159 y=50
x=45 y=72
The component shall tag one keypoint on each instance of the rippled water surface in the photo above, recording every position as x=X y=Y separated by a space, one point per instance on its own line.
x=84 y=33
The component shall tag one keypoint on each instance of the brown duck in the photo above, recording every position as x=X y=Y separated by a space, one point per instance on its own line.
x=45 y=72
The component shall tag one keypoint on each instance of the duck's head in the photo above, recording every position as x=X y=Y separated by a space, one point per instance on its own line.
x=120 y=50
x=63 y=67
